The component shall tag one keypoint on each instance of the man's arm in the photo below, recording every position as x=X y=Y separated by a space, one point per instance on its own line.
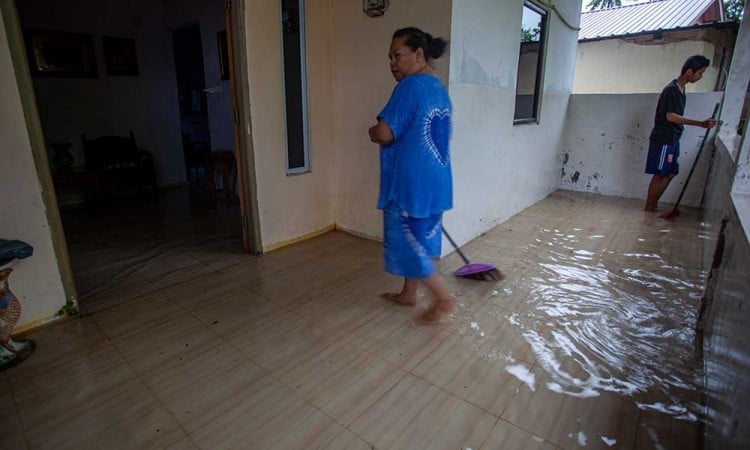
x=678 y=119
x=381 y=133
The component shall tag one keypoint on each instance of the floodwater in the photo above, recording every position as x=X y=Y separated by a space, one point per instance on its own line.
x=605 y=297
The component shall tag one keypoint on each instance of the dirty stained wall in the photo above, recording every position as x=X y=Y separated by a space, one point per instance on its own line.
x=605 y=144
x=36 y=280
x=726 y=337
x=727 y=312
x=501 y=168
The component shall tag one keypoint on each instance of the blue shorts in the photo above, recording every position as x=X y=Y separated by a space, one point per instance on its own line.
x=662 y=159
x=410 y=243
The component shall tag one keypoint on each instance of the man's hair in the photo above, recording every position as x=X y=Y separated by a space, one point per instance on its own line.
x=695 y=62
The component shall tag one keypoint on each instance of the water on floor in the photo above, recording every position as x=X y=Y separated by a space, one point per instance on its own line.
x=186 y=342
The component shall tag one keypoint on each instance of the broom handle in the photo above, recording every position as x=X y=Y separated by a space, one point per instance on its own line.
x=466 y=260
x=697 y=156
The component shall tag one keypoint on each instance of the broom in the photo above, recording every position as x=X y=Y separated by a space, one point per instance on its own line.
x=474 y=271
x=676 y=211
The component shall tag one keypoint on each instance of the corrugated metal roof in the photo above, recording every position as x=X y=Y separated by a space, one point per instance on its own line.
x=637 y=18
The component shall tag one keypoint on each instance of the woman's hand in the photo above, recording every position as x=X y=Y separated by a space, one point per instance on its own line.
x=381 y=133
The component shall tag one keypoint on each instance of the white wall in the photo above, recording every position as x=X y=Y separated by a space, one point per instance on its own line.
x=500 y=168
x=113 y=105
x=291 y=207
x=618 y=66
x=606 y=141
x=36 y=280
x=363 y=84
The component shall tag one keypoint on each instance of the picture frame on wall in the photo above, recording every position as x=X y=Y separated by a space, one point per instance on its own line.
x=221 y=37
x=61 y=54
x=120 y=56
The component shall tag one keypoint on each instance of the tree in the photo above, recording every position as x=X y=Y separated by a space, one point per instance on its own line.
x=604 y=4
x=530 y=34
x=734 y=9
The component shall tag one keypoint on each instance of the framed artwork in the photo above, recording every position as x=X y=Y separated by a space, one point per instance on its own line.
x=119 y=56
x=61 y=54
x=221 y=37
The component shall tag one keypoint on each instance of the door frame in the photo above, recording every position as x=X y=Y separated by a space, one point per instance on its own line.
x=242 y=126
x=38 y=148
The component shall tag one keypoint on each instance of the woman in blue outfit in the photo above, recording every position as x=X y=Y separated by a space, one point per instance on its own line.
x=413 y=132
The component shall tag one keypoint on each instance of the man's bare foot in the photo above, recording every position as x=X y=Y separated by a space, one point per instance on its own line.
x=435 y=312
x=399 y=298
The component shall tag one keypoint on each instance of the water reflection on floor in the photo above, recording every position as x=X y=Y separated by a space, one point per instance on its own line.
x=606 y=296
x=588 y=342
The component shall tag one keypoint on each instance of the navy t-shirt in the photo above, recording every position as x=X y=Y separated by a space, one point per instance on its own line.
x=671 y=100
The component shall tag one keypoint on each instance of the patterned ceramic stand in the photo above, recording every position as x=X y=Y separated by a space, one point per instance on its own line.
x=11 y=352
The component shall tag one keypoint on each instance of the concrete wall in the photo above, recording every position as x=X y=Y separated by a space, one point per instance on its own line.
x=36 y=280
x=363 y=84
x=727 y=341
x=727 y=336
x=641 y=65
x=605 y=144
x=501 y=168
x=291 y=207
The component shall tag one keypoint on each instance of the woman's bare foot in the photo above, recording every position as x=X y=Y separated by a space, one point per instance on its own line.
x=399 y=298
x=436 y=311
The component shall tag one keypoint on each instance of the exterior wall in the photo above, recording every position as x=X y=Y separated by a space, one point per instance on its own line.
x=36 y=280
x=605 y=144
x=727 y=342
x=363 y=84
x=113 y=105
x=636 y=65
x=290 y=207
x=727 y=336
x=501 y=168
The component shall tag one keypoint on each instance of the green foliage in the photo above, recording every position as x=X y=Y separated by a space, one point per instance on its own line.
x=604 y=4
x=530 y=34
x=68 y=309
x=734 y=9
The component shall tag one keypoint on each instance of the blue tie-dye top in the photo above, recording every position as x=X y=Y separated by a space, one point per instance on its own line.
x=415 y=169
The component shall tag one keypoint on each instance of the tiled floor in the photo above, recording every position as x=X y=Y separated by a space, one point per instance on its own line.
x=187 y=343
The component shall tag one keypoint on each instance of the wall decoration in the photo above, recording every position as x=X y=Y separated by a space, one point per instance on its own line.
x=61 y=54
x=119 y=56
x=221 y=37
x=375 y=8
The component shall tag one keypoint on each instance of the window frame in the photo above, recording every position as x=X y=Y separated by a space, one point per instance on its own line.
x=305 y=168
x=540 y=68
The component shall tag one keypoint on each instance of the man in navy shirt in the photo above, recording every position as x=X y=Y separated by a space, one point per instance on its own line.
x=664 y=142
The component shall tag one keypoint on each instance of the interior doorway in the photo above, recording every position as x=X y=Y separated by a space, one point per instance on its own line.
x=136 y=81
x=191 y=95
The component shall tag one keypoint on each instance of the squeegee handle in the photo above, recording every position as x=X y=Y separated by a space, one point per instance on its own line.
x=697 y=156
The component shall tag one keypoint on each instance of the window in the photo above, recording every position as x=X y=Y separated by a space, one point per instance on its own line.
x=295 y=85
x=530 y=64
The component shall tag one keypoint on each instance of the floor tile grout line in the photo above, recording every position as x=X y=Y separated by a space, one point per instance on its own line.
x=143 y=383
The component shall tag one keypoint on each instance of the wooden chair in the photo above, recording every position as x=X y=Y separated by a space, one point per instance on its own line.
x=118 y=163
x=223 y=164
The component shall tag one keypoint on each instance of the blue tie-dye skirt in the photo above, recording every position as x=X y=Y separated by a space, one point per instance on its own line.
x=410 y=243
